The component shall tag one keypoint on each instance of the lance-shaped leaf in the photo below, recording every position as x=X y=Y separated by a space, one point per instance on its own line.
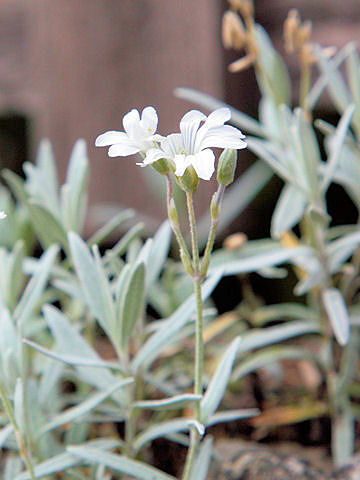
x=172 y=403
x=35 y=287
x=176 y=322
x=203 y=460
x=74 y=194
x=341 y=249
x=261 y=148
x=232 y=415
x=257 y=262
x=74 y=359
x=289 y=210
x=100 y=235
x=265 y=357
x=46 y=225
x=273 y=77
x=217 y=386
x=131 y=302
x=69 y=340
x=166 y=428
x=159 y=252
x=259 y=338
x=94 y=283
x=84 y=407
x=119 y=463
x=64 y=461
x=336 y=145
x=338 y=314
x=41 y=182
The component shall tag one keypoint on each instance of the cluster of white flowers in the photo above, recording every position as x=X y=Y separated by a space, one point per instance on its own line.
x=192 y=146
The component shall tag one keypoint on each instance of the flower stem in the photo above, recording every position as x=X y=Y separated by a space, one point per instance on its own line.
x=173 y=217
x=199 y=345
x=305 y=84
x=217 y=199
x=19 y=438
x=194 y=241
x=190 y=459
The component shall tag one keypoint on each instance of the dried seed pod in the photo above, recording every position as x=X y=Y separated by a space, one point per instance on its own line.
x=242 y=64
x=291 y=28
x=235 y=241
x=233 y=31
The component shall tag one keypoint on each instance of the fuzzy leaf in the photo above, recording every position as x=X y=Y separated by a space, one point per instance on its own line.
x=119 y=463
x=338 y=314
x=217 y=386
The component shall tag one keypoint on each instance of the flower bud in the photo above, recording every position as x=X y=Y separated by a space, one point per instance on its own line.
x=214 y=207
x=186 y=260
x=173 y=213
x=226 y=167
x=161 y=166
x=189 y=181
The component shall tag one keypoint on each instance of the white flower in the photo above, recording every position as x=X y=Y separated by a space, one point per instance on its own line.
x=2 y=215
x=193 y=145
x=138 y=135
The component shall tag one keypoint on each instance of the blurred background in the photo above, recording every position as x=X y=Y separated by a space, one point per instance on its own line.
x=71 y=69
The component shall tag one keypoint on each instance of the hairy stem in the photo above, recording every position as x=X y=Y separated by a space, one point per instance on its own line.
x=173 y=217
x=199 y=345
x=190 y=459
x=217 y=199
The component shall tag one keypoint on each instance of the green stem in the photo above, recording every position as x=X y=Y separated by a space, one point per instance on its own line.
x=199 y=345
x=173 y=217
x=19 y=438
x=194 y=241
x=217 y=199
x=305 y=84
x=190 y=459
x=199 y=348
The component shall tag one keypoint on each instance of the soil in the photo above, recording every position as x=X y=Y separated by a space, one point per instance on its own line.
x=248 y=461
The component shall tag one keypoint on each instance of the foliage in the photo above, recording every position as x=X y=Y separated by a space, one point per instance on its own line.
x=63 y=399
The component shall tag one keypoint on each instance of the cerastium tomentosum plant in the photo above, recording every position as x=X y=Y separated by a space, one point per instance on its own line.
x=325 y=257
x=187 y=156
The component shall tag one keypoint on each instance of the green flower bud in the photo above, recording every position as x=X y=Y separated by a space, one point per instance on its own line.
x=172 y=212
x=161 y=166
x=226 y=167
x=189 y=181
x=214 y=207
x=186 y=260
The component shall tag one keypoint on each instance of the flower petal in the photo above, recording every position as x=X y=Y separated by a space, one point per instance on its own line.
x=131 y=123
x=181 y=163
x=149 y=120
x=109 y=138
x=225 y=136
x=204 y=163
x=219 y=117
x=172 y=144
x=216 y=119
x=153 y=155
x=193 y=116
x=189 y=126
x=122 y=150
